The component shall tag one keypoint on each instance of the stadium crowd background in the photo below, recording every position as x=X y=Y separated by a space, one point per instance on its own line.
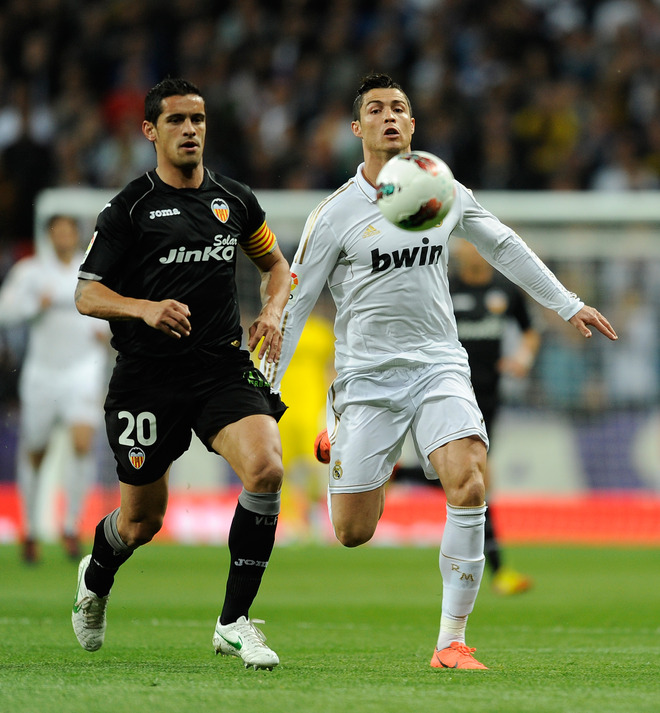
x=513 y=94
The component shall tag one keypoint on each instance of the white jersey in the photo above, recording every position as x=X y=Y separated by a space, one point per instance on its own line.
x=60 y=338
x=390 y=286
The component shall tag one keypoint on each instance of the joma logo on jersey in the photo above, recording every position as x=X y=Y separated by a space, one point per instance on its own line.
x=407 y=257
x=164 y=213
x=223 y=249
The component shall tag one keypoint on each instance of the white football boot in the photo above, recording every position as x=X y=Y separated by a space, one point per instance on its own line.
x=88 y=614
x=243 y=639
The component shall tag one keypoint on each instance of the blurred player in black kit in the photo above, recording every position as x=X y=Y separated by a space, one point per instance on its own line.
x=484 y=301
x=161 y=268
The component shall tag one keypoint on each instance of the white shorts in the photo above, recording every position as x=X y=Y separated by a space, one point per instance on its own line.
x=369 y=416
x=70 y=396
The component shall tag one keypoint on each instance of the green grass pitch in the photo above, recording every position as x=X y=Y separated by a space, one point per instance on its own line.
x=354 y=630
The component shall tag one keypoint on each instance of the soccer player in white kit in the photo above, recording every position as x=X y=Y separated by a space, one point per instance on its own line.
x=400 y=366
x=63 y=375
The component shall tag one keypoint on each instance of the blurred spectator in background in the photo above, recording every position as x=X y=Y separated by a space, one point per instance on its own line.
x=62 y=380
x=27 y=165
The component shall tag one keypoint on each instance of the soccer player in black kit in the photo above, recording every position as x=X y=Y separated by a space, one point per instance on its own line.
x=161 y=268
x=484 y=301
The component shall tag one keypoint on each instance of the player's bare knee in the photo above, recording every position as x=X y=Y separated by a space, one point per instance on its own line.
x=142 y=532
x=350 y=536
x=351 y=539
x=469 y=493
x=81 y=449
x=265 y=479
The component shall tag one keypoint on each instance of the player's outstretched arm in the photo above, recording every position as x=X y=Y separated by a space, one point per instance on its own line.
x=590 y=316
x=168 y=316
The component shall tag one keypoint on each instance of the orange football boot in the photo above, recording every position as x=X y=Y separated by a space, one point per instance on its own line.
x=456 y=655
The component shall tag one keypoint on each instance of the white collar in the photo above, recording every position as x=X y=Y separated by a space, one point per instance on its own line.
x=367 y=189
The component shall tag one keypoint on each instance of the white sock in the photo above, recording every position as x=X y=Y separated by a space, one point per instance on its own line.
x=77 y=480
x=462 y=566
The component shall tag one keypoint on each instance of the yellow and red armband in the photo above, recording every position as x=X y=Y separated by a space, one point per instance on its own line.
x=261 y=242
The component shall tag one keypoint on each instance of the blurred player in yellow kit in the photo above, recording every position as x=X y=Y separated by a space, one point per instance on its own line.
x=304 y=389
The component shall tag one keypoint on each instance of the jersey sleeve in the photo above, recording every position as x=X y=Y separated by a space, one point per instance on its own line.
x=258 y=239
x=508 y=253
x=313 y=262
x=110 y=243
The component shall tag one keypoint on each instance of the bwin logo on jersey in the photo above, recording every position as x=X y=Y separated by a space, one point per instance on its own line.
x=407 y=257
x=223 y=249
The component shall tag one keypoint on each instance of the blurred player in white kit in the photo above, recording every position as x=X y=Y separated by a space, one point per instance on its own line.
x=63 y=376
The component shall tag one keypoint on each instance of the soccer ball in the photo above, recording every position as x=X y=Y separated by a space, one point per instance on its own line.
x=415 y=190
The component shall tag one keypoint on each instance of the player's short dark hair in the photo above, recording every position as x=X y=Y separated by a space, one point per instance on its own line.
x=169 y=87
x=375 y=80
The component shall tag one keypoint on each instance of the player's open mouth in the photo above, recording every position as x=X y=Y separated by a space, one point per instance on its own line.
x=189 y=145
x=391 y=132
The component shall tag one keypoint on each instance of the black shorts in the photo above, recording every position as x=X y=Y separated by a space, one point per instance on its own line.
x=152 y=408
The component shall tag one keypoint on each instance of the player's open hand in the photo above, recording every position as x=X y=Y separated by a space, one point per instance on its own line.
x=266 y=329
x=169 y=317
x=590 y=316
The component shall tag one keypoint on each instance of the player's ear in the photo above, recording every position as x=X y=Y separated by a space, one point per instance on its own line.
x=412 y=125
x=356 y=129
x=149 y=130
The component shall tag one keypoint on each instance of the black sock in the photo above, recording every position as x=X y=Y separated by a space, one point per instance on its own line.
x=251 y=540
x=491 y=546
x=109 y=552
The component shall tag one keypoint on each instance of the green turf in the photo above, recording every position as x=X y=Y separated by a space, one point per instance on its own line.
x=354 y=630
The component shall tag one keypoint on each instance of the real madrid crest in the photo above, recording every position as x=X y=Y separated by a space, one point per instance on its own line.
x=337 y=470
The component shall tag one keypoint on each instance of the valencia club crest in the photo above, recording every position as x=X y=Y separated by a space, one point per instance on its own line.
x=220 y=209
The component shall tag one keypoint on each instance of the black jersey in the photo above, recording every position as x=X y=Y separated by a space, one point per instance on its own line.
x=155 y=242
x=482 y=312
